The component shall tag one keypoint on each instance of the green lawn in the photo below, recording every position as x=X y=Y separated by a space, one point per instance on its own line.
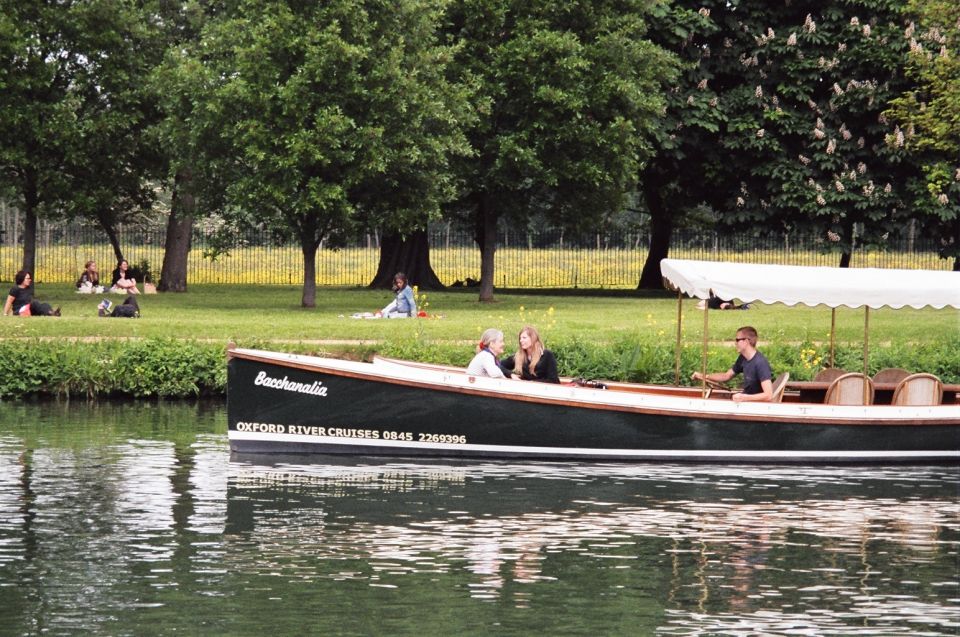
x=258 y=314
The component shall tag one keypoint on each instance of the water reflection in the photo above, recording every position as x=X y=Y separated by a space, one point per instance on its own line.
x=764 y=547
x=135 y=520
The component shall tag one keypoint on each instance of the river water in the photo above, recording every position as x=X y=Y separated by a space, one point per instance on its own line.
x=133 y=519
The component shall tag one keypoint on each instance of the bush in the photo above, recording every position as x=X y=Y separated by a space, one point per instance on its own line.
x=151 y=367
x=181 y=369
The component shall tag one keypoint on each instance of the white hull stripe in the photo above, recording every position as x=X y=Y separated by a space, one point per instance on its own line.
x=584 y=451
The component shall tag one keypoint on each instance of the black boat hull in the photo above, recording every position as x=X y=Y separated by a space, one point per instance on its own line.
x=274 y=407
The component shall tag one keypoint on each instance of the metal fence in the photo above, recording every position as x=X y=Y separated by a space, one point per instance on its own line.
x=543 y=259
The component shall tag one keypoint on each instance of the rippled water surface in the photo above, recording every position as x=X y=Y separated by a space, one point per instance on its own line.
x=135 y=520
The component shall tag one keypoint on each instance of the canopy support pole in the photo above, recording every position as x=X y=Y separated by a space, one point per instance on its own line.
x=833 y=335
x=703 y=358
x=866 y=350
x=676 y=362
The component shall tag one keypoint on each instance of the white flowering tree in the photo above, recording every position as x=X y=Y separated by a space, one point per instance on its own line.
x=810 y=122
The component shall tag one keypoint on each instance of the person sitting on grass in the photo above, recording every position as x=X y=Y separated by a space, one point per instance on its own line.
x=89 y=281
x=404 y=305
x=122 y=282
x=20 y=300
x=532 y=361
x=487 y=360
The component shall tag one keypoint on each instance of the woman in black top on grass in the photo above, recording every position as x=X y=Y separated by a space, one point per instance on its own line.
x=20 y=300
x=532 y=361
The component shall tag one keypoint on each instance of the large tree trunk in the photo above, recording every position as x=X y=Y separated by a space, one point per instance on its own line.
x=309 y=248
x=173 y=275
x=661 y=229
x=486 y=238
x=410 y=255
x=31 y=201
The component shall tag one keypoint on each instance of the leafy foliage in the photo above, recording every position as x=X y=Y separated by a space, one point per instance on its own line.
x=566 y=95
x=153 y=367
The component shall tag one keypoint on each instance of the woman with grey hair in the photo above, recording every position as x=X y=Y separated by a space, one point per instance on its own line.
x=487 y=360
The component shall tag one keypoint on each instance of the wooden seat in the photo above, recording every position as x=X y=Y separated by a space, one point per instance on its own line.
x=779 y=385
x=848 y=390
x=829 y=374
x=918 y=389
x=890 y=375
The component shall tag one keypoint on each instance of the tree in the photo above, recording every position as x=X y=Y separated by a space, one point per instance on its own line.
x=566 y=94
x=193 y=149
x=308 y=91
x=807 y=121
x=72 y=110
x=927 y=118
x=682 y=173
x=36 y=110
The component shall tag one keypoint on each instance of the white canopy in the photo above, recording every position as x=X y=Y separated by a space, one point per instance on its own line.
x=833 y=287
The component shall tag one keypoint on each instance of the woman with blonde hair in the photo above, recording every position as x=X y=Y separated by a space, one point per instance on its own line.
x=89 y=281
x=532 y=360
x=489 y=349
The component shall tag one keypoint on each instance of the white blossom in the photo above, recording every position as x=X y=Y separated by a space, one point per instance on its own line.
x=819 y=134
x=713 y=102
x=898 y=137
x=854 y=21
x=702 y=84
x=809 y=25
x=842 y=47
x=792 y=40
x=845 y=133
x=861 y=142
x=943 y=199
x=838 y=185
x=837 y=90
x=705 y=12
x=690 y=100
x=861 y=168
x=804 y=159
x=888 y=188
x=759 y=92
x=821 y=201
x=831 y=146
x=740 y=202
x=866 y=30
x=760 y=132
x=908 y=32
x=956 y=177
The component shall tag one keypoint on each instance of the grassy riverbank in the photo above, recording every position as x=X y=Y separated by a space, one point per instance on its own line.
x=177 y=347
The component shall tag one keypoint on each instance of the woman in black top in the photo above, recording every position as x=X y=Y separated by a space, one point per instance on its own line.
x=20 y=300
x=122 y=283
x=532 y=361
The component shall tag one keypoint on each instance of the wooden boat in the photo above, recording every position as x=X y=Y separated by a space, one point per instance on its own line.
x=287 y=403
